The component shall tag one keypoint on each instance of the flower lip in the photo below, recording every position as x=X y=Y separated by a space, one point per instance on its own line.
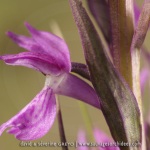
x=73 y=86
x=37 y=116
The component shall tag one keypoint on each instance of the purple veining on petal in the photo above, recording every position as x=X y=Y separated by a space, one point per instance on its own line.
x=75 y=87
x=51 y=44
x=27 y=43
x=37 y=61
x=144 y=75
x=44 y=43
x=44 y=107
x=101 y=137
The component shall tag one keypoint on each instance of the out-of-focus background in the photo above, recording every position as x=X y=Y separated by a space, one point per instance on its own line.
x=19 y=85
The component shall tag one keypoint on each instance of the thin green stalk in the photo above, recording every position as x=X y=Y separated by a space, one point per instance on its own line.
x=61 y=127
x=137 y=42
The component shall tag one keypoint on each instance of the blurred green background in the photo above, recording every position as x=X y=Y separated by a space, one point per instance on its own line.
x=18 y=85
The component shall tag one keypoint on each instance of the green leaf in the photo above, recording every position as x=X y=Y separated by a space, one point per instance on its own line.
x=119 y=105
x=100 y=11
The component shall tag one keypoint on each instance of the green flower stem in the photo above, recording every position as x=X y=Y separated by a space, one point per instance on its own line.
x=137 y=42
x=61 y=126
x=119 y=105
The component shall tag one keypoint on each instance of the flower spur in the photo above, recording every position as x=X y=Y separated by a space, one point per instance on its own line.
x=48 y=54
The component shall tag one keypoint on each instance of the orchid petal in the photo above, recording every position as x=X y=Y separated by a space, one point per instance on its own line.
x=52 y=45
x=45 y=43
x=75 y=87
x=37 y=61
x=27 y=43
x=34 y=120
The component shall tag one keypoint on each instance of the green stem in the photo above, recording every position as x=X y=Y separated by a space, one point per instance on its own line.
x=122 y=32
x=61 y=126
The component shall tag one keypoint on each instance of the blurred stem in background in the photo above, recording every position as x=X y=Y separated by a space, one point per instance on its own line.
x=87 y=120
x=61 y=126
x=56 y=30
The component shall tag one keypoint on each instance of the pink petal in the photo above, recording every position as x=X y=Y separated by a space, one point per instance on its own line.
x=44 y=43
x=75 y=87
x=27 y=43
x=37 y=61
x=52 y=45
x=34 y=120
